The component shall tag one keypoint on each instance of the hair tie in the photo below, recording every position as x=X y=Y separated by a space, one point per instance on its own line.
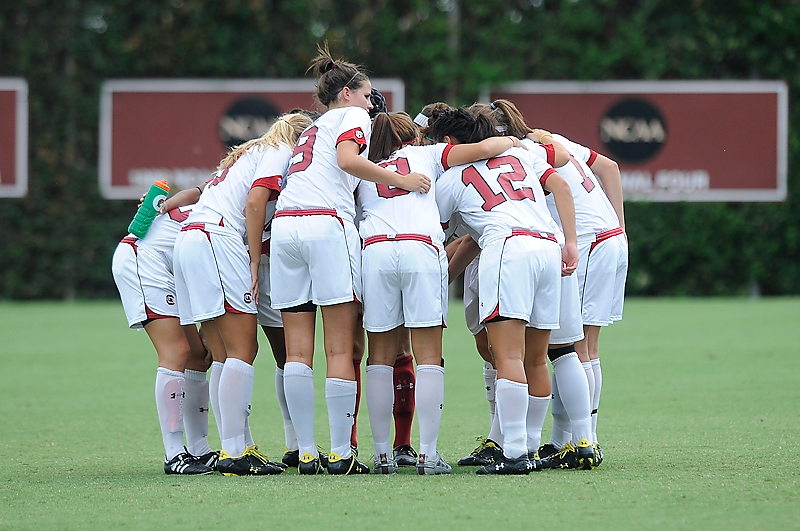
x=500 y=129
x=351 y=79
x=421 y=120
x=493 y=106
x=334 y=66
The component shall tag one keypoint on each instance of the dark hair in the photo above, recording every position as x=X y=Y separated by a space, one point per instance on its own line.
x=431 y=112
x=485 y=127
x=311 y=114
x=378 y=103
x=333 y=75
x=508 y=116
x=389 y=133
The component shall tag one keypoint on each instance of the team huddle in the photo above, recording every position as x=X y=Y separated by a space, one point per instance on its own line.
x=369 y=215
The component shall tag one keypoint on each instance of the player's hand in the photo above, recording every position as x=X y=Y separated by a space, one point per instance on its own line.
x=141 y=200
x=416 y=182
x=569 y=259
x=518 y=143
x=254 y=280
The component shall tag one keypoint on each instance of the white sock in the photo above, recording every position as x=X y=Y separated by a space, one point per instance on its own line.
x=380 y=402
x=290 y=438
x=169 y=404
x=298 y=387
x=429 y=397
x=213 y=393
x=587 y=368
x=490 y=381
x=341 y=398
x=248 y=437
x=598 y=386
x=561 y=429
x=534 y=420
x=512 y=409
x=234 y=403
x=195 y=412
x=573 y=389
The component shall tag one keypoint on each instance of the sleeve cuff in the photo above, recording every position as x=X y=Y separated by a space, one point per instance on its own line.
x=546 y=174
x=445 y=154
x=592 y=157
x=357 y=136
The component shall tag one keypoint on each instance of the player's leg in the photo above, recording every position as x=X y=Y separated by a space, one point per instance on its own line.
x=196 y=399
x=214 y=343
x=359 y=347
x=404 y=380
x=536 y=345
x=593 y=349
x=380 y=396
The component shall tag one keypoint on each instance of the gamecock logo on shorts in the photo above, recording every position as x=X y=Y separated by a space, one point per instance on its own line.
x=171 y=299
x=248 y=298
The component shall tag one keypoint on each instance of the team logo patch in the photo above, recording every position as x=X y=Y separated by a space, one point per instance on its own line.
x=248 y=298
x=359 y=134
x=171 y=299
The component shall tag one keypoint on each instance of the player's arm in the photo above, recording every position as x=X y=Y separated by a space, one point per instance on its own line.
x=189 y=196
x=466 y=251
x=349 y=160
x=546 y=139
x=607 y=171
x=562 y=194
x=485 y=149
x=255 y=214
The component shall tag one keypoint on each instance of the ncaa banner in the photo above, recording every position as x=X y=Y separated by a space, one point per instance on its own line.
x=179 y=130
x=673 y=140
x=13 y=137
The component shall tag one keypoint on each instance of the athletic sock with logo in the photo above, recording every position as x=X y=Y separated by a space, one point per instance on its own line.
x=340 y=396
x=573 y=390
x=512 y=409
x=380 y=400
x=534 y=420
x=290 y=439
x=354 y=430
x=195 y=412
x=213 y=393
x=234 y=403
x=169 y=404
x=598 y=386
x=430 y=400
x=561 y=430
x=298 y=385
x=490 y=382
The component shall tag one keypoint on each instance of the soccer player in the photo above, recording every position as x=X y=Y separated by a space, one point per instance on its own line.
x=315 y=257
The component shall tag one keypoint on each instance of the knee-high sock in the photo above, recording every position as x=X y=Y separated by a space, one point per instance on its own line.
x=341 y=398
x=404 y=381
x=430 y=397
x=235 y=393
x=573 y=389
x=561 y=428
x=195 y=412
x=512 y=408
x=169 y=404
x=290 y=439
x=534 y=420
x=598 y=386
x=587 y=368
x=298 y=385
x=213 y=393
x=354 y=430
x=380 y=400
x=490 y=382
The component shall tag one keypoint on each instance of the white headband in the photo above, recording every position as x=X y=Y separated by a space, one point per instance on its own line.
x=421 y=120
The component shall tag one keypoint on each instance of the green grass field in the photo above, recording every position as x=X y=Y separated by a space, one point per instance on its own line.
x=698 y=420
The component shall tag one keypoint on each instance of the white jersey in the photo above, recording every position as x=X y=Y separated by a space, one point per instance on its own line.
x=161 y=235
x=390 y=211
x=224 y=197
x=314 y=179
x=593 y=211
x=545 y=151
x=497 y=195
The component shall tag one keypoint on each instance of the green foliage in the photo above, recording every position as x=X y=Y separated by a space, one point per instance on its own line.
x=58 y=241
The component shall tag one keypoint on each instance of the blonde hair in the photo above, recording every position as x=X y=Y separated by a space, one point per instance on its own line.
x=286 y=130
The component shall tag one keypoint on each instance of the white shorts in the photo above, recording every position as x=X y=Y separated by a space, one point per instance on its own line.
x=570 y=324
x=471 y=303
x=602 y=271
x=404 y=283
x=267 y=316
x=212 y=273
x=520 y=278
x=145 y=283
x=314 y=258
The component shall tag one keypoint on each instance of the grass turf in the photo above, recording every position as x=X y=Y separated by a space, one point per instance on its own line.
x=698 y=423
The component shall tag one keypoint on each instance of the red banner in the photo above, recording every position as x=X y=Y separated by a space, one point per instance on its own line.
x=13 y=137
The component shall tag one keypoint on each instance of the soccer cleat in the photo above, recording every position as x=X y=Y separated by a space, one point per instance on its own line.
x=385 y=464
x=345 y=466
x=253 y=450
x=506 y=466
x=354 y=450
x=210 y=459
x=546 y=450
x=486 y=452
x=586 y=459
x=186 y=464
x=291 y=458
x=405 y=455
x=310 y=465
x=566 y=458
x=432 y=467
x=533 y=457
x=599 y=453
x=247 y=464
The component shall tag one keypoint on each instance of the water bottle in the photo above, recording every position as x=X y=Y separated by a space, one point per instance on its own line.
x=149 y=209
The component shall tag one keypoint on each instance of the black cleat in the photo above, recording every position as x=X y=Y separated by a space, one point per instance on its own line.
x=519 y=467
x=186 y=464
x=291 y=458
x=248 y=464
x=210 y=459
x=566 y=458
x=586 y=458
x=599 y=453
x=345 y=466
x=546 y=450
x=533 y=457
x=310 y=465
x=405 y=455
x=487 y=452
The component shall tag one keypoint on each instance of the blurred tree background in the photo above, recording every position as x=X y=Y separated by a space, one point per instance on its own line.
x=57 y=242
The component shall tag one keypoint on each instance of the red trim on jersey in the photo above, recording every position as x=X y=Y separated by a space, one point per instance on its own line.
x=357 y=136
x=197 y=226
x=492 y=315
x=541 y=235
x=153 y=315
x=445 y=153
x=546 y=174
x=592 y=157
x=265 y=247
x=231 y=309
x=131 y=240
x=603 y=236
x=551 y=153
x=273 y=183
x=400 y=237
